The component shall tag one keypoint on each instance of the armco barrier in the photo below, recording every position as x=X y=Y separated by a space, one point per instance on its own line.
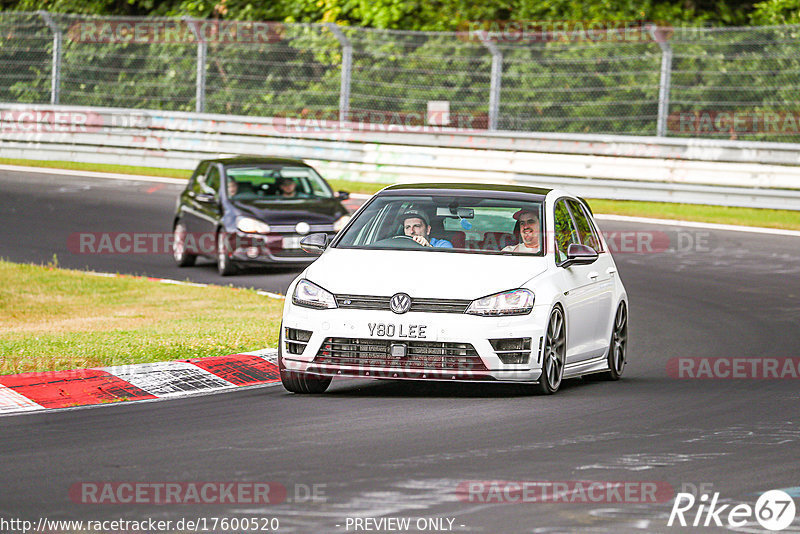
x=635 y=168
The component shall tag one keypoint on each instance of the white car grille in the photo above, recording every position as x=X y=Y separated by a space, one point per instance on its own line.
x=365 y=302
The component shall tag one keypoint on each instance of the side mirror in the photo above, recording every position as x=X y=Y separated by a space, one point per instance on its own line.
x=579 y=255
x=314 y=243
x=206 y=198
x=342 y=195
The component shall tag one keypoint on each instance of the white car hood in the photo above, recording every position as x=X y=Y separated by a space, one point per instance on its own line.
x=421 y=274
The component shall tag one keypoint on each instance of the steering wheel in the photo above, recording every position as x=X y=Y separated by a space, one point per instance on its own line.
x=407 y=237
x=391 y=242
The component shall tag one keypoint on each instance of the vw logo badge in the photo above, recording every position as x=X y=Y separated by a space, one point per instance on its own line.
x=400 y=303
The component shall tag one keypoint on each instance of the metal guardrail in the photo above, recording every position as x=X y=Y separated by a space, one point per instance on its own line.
x=733 y=173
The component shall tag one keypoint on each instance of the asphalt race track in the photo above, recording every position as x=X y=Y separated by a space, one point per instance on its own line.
x=383 y=449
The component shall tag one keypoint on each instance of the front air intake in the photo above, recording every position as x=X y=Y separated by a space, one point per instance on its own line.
x=516 y=350
x=296 y=340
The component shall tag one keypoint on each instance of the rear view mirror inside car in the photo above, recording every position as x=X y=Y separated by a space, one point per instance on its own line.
x=462 y=213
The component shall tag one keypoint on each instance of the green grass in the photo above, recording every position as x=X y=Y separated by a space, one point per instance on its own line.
x=785 y=219
x=99 y=167
x=54 y=319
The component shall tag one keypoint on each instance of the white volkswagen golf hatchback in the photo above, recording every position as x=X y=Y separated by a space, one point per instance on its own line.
x=461 y=282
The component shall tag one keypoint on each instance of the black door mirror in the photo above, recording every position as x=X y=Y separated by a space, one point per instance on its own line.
x=206 y=198
x=342 y=195
x=314 y=243
x=579 y=255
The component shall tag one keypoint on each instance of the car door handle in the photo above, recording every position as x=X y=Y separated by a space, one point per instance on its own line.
x=611 y=270
x=593 y=275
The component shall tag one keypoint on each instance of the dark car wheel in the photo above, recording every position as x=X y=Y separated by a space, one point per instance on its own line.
x=618 y=348
x=179 y=254
x=555 y=351
x=299 y=382
x=225 y=266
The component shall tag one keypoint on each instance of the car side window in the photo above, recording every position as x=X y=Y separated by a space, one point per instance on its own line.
x=212 y=180
x=586 y=231
x=565 y=232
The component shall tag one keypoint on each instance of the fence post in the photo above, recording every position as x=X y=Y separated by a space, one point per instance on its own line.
x=347 y=67
x=661 y=37
x=496 y=80
x=200 y=77
x=55 y=78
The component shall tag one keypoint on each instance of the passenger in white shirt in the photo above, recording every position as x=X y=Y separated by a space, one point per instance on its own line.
x=528 y=222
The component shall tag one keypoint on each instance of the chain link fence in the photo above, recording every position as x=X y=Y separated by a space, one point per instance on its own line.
x=718 y=83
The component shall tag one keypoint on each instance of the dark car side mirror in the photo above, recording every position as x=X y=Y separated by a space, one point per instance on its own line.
x=206 y=198
x=314 y=243
x=579 y=255
x=342 y=195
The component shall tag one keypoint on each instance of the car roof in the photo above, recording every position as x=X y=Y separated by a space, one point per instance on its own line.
x=501 y=190
x=245 y=160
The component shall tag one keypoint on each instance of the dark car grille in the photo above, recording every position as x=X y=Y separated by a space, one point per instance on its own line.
x=430 y=355
x=364 y=302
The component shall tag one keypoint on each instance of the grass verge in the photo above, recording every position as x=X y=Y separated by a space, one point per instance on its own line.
x=784 y=219
x=53 y=319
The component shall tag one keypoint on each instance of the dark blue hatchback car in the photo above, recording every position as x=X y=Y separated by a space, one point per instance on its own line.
x=253 y=210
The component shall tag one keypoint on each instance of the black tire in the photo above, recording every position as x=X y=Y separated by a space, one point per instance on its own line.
x=555 y=352
x=225 y=267
x=618 y=347
x=299 y=382
x=179 y=254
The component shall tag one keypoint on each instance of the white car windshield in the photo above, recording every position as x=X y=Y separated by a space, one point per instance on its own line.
x=448 y=223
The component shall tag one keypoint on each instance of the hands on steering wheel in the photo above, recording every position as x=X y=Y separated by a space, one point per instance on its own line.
x=408 y=237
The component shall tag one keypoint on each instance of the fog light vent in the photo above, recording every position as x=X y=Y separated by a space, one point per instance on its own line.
x=512 y=350
x=296 y=340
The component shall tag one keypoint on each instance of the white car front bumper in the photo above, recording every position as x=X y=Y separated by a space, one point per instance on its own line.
x=427 y=346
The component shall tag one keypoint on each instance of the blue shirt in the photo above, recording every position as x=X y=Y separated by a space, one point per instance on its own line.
x=441 y=243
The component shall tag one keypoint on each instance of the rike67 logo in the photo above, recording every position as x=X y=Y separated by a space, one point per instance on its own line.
x=774 y=510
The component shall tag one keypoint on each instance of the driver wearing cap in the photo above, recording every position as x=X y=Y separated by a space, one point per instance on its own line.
x=527 y=231
x=417 y=227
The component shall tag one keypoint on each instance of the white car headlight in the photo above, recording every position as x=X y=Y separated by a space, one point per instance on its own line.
x=251 y=226
x=516 y=302
x=339 y=224
x=310 y=295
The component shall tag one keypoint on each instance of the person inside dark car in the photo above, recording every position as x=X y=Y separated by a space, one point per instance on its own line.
x=233 y=188
x=287 y=188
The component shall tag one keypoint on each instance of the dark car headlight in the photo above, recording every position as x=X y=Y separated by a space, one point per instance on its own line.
x=251 y=226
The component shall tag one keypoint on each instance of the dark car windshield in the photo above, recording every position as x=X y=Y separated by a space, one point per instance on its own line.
x=275 y=182
x=453 y=223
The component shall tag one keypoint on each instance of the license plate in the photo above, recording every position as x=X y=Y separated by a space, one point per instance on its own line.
x=399 y=331
x=291 y=242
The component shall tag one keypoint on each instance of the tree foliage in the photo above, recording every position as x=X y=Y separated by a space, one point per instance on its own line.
x=444 y=15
